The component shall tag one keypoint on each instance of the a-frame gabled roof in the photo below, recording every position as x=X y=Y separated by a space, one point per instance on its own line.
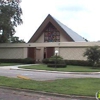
x=67 y=31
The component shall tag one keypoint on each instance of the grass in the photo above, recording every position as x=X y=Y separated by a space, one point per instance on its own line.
x=82 y=87
x=9 y=64
x=69 y=68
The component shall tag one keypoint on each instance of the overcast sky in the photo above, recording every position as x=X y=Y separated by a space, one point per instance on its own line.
x=82 y=16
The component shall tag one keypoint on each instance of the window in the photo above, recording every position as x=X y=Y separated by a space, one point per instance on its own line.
x=51 y=34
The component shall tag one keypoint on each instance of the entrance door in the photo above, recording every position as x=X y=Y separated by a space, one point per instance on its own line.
x=49 y=52
x=32 y=53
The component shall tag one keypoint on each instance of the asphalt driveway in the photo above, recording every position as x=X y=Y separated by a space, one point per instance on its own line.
x=14 y=71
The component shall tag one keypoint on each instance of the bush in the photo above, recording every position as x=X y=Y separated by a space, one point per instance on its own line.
x=57 y=65
x=45 y=61
x=53 y=59
x=93 y=55
x=78 y=62
x=28 y=61
x=69 y=62
x=24 y=61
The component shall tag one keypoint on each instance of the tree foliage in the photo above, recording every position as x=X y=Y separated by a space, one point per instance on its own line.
x=16 y=39
x=10 y=17
x=93 y=55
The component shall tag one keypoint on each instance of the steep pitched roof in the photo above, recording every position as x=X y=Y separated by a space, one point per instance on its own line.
x=76 y=37
x=67 y=31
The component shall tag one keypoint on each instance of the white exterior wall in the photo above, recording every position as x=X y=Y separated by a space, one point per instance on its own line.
x=13 y=53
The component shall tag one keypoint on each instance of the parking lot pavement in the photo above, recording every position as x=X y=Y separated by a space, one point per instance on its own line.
x=8 y=94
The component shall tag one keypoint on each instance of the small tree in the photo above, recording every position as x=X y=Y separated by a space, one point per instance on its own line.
x=16 y=39
x=93 y=55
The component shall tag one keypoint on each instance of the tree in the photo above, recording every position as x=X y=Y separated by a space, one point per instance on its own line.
x=10 y=17
x=16 y=39
x=93 y=55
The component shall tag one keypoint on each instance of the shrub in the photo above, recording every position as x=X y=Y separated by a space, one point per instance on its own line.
x=53 y=59
x=25 y=61
x=93 y=55
x=69 y=62
x=28 y=61
x=45 y=61
x=78 y=62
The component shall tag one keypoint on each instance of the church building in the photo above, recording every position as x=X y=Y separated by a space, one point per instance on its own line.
x=52 y=31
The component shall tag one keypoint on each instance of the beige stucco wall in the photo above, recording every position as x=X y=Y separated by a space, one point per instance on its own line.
x=39 y=54
x=40 y=39
x=72 y=53
x=13 y=53
x=68 y=50
x=63 y=38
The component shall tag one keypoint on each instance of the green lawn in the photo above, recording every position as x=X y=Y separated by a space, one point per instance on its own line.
x=69 y=68
x=9 y=64
x=82 y=87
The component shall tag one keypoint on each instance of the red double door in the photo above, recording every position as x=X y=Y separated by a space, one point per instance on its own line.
x=48 y=52
x=32 y=52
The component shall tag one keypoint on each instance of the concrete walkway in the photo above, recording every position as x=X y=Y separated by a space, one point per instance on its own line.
x=15 y=66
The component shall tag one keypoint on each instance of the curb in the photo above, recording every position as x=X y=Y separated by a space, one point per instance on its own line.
x=86 y=73
x=61 y=72
x=47 y=93
x=23 y=77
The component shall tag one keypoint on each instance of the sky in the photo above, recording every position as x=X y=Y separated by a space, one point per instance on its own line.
x=82 y=16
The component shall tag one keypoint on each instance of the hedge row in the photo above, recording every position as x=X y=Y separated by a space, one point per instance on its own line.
x=24 y=61
x=78 y=62
x=47 y=61
x=70 y=62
